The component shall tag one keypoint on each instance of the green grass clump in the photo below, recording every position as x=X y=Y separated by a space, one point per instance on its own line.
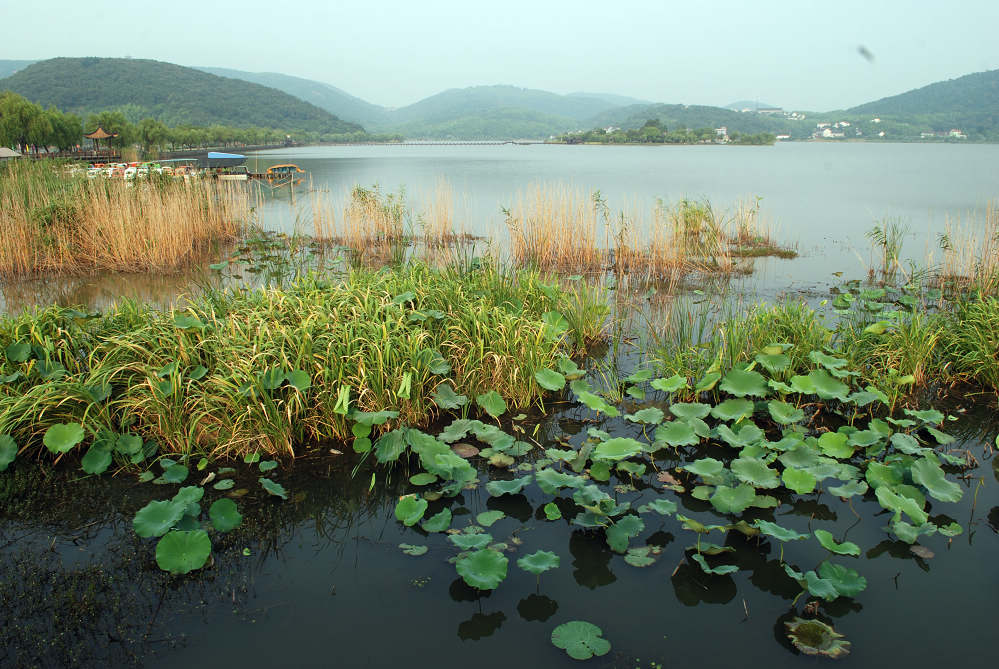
x=970 y=342
x=239 y=370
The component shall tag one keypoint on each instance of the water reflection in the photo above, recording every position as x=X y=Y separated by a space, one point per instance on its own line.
x=692 y=586
x=480 y=625
x=591 y=561
x=537 y=608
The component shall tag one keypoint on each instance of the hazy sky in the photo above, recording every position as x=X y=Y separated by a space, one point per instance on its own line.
x=801 y=55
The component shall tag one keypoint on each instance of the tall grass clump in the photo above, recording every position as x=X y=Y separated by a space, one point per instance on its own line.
x=51 y=223
x=971 y=253
x=969 y=343
x=279 y=370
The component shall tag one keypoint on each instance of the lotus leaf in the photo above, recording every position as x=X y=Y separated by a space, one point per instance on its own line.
x=539 y=562
x=224 y=484
x=742 y=383
x=555 y=324
x=410 y=509
x=224 y=515
x=156 y=518
x=720 y=570
x=661 y=506
x=8 y=451
x=18 y=351
x=649 y=416
x=690 y=409
x=798 y=480
x=755 y=472
x=550 y=481
x=748 y=434
x=707 y=382
x=911 y=533
x=422 y=478
x=776 y=531
x=580 y=640
x=174 y=473
x=273 y=487
x=733 y=500
x=889 y=499
x=773 y=362
x=96 y=461
x=390 y=446
x=487 y=518
x=415 y=551
x=709 y=548
x=267 y=465
x=848 y=582
x=942 y=438
x=501 y=460
x=624 y=529
x=617 y=449
x=511 y=487
x=632 y=469
x=471 y=541
x=437 y=522
x=846 y=548
x=676 y=433
x=483 y=569
x=492 y=403
x=814 y=637
x=705 y=467
x=670 y=385
x=827 y=361
x=446 y=398
x=597 y=403
x=825 y=386
x=879 y=474
x=930 y=416
x=733 y=410
x=641 y=557
x=62 y=437
x=549 y=379
x=835 y=444
x=784 y=413
x=180 y=552
x=928 y=474
x=849 y=489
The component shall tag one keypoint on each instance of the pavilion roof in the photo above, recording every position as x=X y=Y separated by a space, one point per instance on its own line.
x=101 y=133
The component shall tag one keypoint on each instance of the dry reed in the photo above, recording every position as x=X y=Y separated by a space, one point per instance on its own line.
x=54 y=225
x=970 y=250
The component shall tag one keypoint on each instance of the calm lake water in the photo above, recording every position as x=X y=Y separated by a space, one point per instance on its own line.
x=319 y=580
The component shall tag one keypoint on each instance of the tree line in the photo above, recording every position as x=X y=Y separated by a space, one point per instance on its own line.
x=31 y=129
x=655 y=132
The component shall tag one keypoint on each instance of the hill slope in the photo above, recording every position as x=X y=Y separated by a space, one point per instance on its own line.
x=173 y=94
x=332 y=99
x=675 y=117
x=9 y=67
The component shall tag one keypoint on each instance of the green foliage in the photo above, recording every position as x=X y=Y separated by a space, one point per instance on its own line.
x=482 y=569
x=580 y=640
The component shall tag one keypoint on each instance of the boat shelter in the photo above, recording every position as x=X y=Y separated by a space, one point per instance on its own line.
x=8 y=154
x=216 y=160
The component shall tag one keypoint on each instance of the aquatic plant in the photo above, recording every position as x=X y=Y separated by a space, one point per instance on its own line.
x=814 y=637
x=580 y=640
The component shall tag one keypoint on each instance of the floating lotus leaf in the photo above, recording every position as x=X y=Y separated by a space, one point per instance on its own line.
x=892 y=501
x=950 y=530
x=798 y=480
x=848 y=582
x=437 y=522
x=267 y=465
x=62 y=437
x=849 y=489
x=733 y=410
x=484 y=569
x=814 y=637
x=906 y=443
x=180 y=552
x=649 y=416
x=598 y=403
x=733 y=500
x=773 y=362
x=501 y=460
x=927 y=473
x=156 y=518
x=661 y=506
x=617 y=449
x=670 y=385
x=224 y=484
x=175 y=473
x=492 y=403
x=189 y=495
x=705 y=467
x=446 y=398
x=720 y=570
x=511 y=487
x=96 y=461
x=879 y=474
x=834 y=444
x=539 y=562
x=690 y=409
x=632 y=469
x=549 y=379
x=777 y=532
x=550 y=481
x=642 y=556
x=470 y=541
x=224 y=515
x=415 y=551
x=676 y=433
x=755 y=472
x=487 y=518
x=749 y=433
x=826 y=387
x=423 y=478
x=864 y=397
x=942 y=438
x=929 y=416
x=846 y=548
x=410 y=509
x=743 y=383
x=273 y=488
x=709 y=548
x=552 y=512
x=580 y=640
x=910 y=533
x=707 y=382
x=624 y=529
x=8 y=451
x=784 y=413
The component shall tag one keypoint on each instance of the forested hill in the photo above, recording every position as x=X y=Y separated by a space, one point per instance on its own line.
x=696 y=116
x=173 y=94
x=325 y=96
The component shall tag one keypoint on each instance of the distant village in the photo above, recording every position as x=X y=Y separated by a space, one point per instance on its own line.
x=841 y=129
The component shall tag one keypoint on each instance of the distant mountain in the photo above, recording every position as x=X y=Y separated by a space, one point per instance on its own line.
x=173 y=94
x=611 y=98
x=675 y=117
x=323 y=95
x=739 y=105
x=9 y=67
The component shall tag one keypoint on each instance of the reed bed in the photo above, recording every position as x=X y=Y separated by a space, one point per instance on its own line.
x=53 y=224
x=970 y=252
x=557 y=227
x=236 y=370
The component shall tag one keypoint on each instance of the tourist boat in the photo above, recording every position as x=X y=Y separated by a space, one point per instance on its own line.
x=282 y=172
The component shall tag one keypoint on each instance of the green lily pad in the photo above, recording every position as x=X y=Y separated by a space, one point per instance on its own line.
x=773 y=362
x=62 y=437
x=618 y=448
x=415 y=551
x=777 y=532
x=97 y=460
x=597 y=403
x=549 y=379
x=182 y=552
x=848 y=582
x=446 y=398
x=511 y=487
x=224 y=515
x=743 y=383
x=492 y=403
x=580 y=640
x=707 y=382
x=18 y=351
x=273 y=487
x=649 y=416
x=755 y=472
x=705 y=467
x=487 y=518
x=437 y=522
x=849 y=489
x=550 y=481
x=552 y=512
x=539 y=562
x=624 y=529
x=676 y=433
x=471 y=541
x=784 y=413
x=798 y=480
x=690 y=409
x=720 y=570
x=733 y=500
x=224 y=484
x=834 y=444
x=664 y=507
x=927 y=473
x=483 y=569
x=641 y=556
x=733 y=410
x=670 y=385
x=175 y=473
x=423 y=478
x=846 y=548
x=8 y=451
x=814 y=637
x=410 y=509
x=267 y=465
x=156 y=518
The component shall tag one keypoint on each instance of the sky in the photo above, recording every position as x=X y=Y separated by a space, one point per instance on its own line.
x=799 y=55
